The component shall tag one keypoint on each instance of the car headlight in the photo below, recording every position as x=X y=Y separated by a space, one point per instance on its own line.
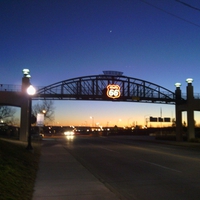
x=68 y=133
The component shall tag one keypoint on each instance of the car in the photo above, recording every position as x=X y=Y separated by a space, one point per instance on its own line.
x=69 y=133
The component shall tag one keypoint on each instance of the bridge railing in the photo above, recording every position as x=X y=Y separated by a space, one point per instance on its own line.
x=10 y=88
x=14 y=88
x=197 y=95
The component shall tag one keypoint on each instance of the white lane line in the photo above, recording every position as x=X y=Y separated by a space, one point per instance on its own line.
x=161 y=166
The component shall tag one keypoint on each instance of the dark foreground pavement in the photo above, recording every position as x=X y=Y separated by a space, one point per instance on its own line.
x=62 y=177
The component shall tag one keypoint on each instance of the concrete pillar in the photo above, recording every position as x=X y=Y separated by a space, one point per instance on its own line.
x=25 y=84
x=178 y=111
x=190 y=111
x=24 y=120
x=179 y=136
x=24 y=124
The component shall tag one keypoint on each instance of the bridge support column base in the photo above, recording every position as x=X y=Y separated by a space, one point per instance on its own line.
x=24 y=125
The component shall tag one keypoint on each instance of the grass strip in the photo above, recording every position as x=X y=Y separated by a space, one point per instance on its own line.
x=18 y=168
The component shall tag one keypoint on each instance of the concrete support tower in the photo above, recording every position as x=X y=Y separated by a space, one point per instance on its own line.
x=179 y=136
x=189 y=104
x=190 y=110
x=24 y=125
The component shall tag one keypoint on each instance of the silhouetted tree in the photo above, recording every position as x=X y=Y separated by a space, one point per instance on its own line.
x=45 y=107
x=7 y=114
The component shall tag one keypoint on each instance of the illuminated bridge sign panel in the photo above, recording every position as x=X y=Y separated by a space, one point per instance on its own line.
x=113 y=91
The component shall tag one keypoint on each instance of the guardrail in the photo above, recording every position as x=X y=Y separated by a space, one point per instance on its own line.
x=10 y=88
x=196 y=96
x=13 y=88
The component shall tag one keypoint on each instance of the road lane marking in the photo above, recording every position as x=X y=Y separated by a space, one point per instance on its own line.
x=108 y=149
x=161 y=166
x=49 y=139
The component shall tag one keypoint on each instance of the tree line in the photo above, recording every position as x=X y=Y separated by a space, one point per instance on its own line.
x=7 y=113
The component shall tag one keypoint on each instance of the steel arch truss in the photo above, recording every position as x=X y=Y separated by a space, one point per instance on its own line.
x=94 y=88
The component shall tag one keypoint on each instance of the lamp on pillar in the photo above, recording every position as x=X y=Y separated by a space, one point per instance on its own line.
x=178 y=85
x=178 y=92
x=189 y=80
x=190 y=110
x=178 y=112
x=189 y=89
x=25 y=80
x=26 y=73
x=30 y=91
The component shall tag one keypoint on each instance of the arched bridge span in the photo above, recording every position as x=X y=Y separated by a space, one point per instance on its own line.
x=110 y=86
x=95 y=88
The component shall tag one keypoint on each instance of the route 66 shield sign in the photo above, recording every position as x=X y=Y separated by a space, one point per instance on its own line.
x=113 y=91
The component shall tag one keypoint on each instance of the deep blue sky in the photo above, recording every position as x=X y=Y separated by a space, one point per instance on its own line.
x=154 y=40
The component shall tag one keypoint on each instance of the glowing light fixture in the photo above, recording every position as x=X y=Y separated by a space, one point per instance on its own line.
x=189 y=80
x=178 y=85
x=26 y=73
x=31 y=90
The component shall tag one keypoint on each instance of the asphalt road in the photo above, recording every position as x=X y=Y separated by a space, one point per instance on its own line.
x=140 y=170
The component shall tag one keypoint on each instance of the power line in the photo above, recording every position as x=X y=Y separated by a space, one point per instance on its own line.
x=188 y=5
x=185 y=20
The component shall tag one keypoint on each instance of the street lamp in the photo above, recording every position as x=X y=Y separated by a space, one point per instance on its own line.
x=130 y=123
x=146 y=120
x=92 y=120
x=178 y=85
x=30 y=91
x=189 y=80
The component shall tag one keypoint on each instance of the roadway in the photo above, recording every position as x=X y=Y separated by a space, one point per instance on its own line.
x=138 y=169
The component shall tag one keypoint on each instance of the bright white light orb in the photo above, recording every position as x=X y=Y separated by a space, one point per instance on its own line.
x=31 y=90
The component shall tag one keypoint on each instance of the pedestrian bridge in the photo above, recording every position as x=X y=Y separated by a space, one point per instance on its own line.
x=102 y=87
x=107 y=87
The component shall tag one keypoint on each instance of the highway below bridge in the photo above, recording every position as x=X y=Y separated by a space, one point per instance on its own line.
x=139 y=168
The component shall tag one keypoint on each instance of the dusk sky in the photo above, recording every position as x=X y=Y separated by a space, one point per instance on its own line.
x=154 y=40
